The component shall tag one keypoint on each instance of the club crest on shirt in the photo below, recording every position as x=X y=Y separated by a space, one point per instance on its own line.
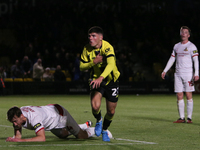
x=195 y=51
x=107 y=50
x=37 y=126
x=186 y=49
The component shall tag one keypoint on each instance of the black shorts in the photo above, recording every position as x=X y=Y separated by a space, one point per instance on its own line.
x=110 y=91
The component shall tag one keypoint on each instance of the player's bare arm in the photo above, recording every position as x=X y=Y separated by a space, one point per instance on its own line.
x=17 y=132
x=40 y=137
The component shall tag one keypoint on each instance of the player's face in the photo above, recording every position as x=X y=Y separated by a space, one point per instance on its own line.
x=17 y=121
x=184 y=34
x=95 y=39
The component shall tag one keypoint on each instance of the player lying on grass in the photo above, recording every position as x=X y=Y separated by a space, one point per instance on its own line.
x=54 y=118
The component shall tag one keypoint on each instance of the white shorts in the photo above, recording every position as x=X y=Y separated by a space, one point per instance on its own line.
x=65 y=121
x=183 y=83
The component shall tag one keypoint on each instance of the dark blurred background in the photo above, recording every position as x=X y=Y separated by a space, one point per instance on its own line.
x=143 y=33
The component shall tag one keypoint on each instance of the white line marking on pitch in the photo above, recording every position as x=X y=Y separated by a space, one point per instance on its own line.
x=144 y=142
x=6 y=126
x=70 y=145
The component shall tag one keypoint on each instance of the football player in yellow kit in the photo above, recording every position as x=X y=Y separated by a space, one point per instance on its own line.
x=99 y=57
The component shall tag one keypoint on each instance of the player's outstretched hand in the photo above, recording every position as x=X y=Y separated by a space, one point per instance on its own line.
x=11 y=139
x=163 y=75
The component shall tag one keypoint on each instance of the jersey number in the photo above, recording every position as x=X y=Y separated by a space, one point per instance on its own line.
x=115 y=91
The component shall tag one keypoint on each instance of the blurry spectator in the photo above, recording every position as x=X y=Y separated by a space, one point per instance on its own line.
x=59 y=75
x=76 y=67
x=38 y=55
x=16 y=70
x=47 y=75
x=38 y=70
x=29 y=51
x=27 y=67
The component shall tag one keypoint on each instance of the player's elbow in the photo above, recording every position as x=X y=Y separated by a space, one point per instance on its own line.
x=43 y=139
x=81 y=68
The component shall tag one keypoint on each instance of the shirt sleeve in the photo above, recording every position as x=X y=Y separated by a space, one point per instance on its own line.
x=110 y=57
x=36 y=123
x=196 y=65
x=170 y=61
x=37 y=127
x=194 y=51
x=85 y=63
x=109 y=67
x=195 y=54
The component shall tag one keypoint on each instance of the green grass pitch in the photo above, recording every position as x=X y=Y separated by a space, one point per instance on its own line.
x=143 y=122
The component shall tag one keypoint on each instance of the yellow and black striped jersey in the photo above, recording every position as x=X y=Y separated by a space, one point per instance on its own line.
x=107 y=68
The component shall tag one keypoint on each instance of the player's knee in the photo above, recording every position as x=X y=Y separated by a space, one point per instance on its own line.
x=111 y=112
x=179 y=96
x=189 y=95
x=95 y=108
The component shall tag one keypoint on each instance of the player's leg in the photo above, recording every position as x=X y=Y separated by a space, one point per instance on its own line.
x=111 y=95
x=96 y=111
x=189 y=88
x=61 y=132
x=84 y=134
x=69 y=126
x=110 y=106
x=189 y=106
x=86 y=125
x=178 y=86
x=74 y=128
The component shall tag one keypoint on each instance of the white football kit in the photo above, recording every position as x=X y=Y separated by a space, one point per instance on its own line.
x=51 y=117
x=184 y=55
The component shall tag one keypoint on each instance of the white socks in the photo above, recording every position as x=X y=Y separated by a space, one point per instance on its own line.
x=189 y=108
x=181 y=106
x=83 y=126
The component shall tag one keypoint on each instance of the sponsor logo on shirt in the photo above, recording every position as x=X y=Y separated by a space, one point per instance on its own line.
x=195 y=51
x=37 y=126
x=186 y=49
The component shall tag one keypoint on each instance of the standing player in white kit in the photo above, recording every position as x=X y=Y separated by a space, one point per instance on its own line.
x=53 y=117
x=186 y=54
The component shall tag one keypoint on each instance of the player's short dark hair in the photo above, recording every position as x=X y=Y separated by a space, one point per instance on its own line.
x=186 y=27
x=95 y=29
x=12 y=112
